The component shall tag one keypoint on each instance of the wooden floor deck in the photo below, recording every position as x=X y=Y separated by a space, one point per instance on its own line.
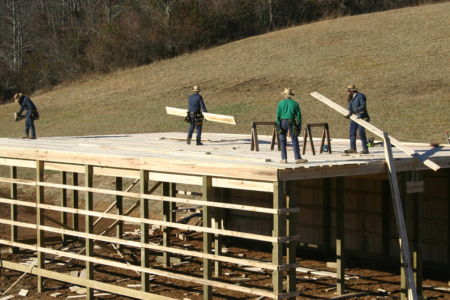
x=222 y=155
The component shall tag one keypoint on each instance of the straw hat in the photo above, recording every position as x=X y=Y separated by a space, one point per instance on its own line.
x=351 y=88
x=17 y=97
x=288 y=92
x=196 y=88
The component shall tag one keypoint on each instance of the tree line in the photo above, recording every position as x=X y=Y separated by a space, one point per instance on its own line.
x=46 y=42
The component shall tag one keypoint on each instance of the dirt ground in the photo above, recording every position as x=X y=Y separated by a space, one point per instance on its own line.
x=371 y=276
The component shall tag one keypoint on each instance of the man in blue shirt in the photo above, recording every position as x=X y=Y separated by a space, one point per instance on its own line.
x=196 y=106
x=357 y=106
x=32 y=114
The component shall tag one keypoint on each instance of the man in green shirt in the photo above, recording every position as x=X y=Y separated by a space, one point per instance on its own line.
x=287 y=111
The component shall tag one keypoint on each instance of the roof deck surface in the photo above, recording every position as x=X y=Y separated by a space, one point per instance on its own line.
x=222 y=155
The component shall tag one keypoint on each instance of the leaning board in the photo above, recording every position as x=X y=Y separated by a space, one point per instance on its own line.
x=208 y=116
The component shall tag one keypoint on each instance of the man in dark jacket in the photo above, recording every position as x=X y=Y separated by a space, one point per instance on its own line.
x=357 y=106
x=196 y=106
x=32 y=114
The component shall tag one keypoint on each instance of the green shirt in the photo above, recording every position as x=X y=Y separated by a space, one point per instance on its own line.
x=288 y=109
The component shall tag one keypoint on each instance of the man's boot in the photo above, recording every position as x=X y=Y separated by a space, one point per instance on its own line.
x=199 y=143
x=188 y=140
x=33 y=137
x=365 y=151
x=351 y=151
x=26 y=136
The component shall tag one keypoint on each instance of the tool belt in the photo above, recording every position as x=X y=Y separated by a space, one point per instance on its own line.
x=196 y=116
x=364 y=115
x=34 y=115
x=296 y=128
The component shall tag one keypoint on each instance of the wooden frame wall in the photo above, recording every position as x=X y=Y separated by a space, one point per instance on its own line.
x=168 y=200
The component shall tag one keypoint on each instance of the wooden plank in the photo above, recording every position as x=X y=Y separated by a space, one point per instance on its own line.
x=277 y=248
x=403 y=241
x=418 y=236
x=63 y=198
x=169 y=190
x=414 y=187
x=40 y=233
x=208 y=116
x=89 y=227
x=207 y=237
x=145 y=261
x=98 y=285
x=291 y=226
x=119 y=209
x=376 y=131
x=340 y=235
x=178 y=200
x=218 y=213
x=13 y=188
x=75 y=220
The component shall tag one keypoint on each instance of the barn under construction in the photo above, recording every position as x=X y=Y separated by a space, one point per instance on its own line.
x=245 y=194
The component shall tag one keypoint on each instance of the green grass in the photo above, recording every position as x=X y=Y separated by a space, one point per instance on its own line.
x=398 y=59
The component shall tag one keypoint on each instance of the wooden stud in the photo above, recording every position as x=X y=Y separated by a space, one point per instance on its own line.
x=340 y=235
x=418 y=235
x=326 y=215
x=89 y=220
x=14 y=231
x=75 y=216
x=277 y=248
x=386 y=222
x=399 y=217
x=225 y=212
x=169 y=190
x=145 y=285
x=40 y=222
x=63 y=196
x=218 y=212
x=405 y=207
x=119 y=210
x=448 y=220
x=291 y=226
x=207 y=237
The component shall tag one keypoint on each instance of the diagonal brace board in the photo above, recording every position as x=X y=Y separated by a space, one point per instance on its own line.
x=399 y=217
x=376 y=131
x=208 y=116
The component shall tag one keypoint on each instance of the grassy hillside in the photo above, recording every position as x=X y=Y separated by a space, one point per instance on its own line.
x=398 y=59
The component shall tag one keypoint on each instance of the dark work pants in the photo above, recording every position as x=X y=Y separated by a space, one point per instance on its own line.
x=362 y=135
x=29 y=124
x=283 y=140
x=192 y=126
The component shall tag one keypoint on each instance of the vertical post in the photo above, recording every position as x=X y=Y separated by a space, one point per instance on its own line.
x=448 y=219
x=326 y=215
x=145 y=283
x=89 y=220
x=75 y=221
x=291 y=220
x=225 y=212
x=405 y=206
x=207 y=237
x=340 y=235
x=169 y=190
x=119 y=210
x=40 y=222
x=14 y=209
x=386 y=221
x=218 y=238
x=63 y=180
x=277 y=248
x=418 y=234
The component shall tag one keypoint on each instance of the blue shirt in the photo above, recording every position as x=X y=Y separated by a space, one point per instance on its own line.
x=196 y=103
x=27 y=105
x=358 y=104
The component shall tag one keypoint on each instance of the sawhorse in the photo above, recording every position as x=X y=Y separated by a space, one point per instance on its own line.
x=254 y=142
x=325 y=133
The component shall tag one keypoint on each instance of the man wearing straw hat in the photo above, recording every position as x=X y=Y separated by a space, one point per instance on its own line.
x=287 y=111
x=195 y=116
x=32 y=114
x=357 y=106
